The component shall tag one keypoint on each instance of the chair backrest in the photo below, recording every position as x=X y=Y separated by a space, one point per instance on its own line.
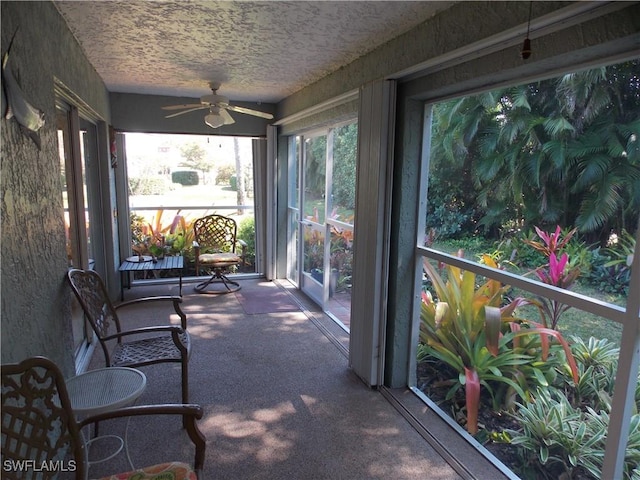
x=39 y=430
x=94 y=300
x=215 y=233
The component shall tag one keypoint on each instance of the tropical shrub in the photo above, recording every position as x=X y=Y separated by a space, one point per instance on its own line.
x=471 y=330
x=612 y=265
x=563 y=149
x=179 y=239
x=515 y=247
x=610 y=279
x=148 y=186
x=157 y=238
x=247 y=233
x=344 y=165
x=564 y=427
x=554 y=434
x=449 y=216
x=138 y=225
x=341 y=256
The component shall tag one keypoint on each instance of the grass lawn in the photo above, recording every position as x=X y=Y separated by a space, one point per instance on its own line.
x=209 y=195
x=583 y=324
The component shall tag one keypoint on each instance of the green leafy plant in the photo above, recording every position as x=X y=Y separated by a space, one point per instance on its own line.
x=247 y=232
x=621 y=250
x=597 y=363
x=564 y=427
x=515 y=246
x=313 y=246
x=470 y=329
x=341 y=255
x=558 y=440
x=611 y=272
x=557 y=435
x=179 y=239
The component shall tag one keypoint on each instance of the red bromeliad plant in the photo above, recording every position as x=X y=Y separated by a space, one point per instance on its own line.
x=470 y=329
x=556 y=272
x=552 y=242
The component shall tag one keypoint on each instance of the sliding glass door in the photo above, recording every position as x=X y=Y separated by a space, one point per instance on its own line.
x=321 y=212
x=313 y=227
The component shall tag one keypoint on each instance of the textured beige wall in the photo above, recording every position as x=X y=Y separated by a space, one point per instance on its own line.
x=35 y=317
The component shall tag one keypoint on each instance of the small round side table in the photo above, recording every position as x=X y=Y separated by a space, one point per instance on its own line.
x=102 y=390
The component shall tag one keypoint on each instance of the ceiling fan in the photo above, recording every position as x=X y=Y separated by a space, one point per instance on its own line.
x=218 y=109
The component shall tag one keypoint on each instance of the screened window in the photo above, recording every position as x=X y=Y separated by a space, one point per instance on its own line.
x=525 y=267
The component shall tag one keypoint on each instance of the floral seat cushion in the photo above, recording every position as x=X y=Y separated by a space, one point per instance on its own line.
x=162 y=471
x=219 y=259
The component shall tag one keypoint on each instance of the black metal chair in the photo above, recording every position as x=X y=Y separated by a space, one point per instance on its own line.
x=132 y=348
x=39 y=427
x=216 y=247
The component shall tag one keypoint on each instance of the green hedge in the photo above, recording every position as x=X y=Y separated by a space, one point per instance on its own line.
x=185 y=177
x=148 y=186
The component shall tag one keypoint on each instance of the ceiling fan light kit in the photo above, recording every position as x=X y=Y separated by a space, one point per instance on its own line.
x=214 y=120
x=218 y=106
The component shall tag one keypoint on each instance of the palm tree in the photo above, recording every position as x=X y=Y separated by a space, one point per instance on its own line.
x=564 y=150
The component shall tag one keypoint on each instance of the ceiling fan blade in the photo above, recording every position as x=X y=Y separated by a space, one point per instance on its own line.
x=228 y=119
x=180 y=107
x=248 y=111
x=201 y=107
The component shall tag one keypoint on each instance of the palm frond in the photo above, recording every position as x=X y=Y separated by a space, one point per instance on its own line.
x=556 y=126
x=556 y=152
x=602 y=203
x=592 y=171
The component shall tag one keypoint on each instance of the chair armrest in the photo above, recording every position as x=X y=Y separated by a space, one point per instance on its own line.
x=161 y=298
x=137 y=331
x=189 y=412
x=173 y=329
x=173 y=298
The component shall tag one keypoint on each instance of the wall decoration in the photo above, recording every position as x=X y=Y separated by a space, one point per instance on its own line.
x=14 y=104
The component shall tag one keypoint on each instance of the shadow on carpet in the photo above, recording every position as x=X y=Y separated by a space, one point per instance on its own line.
x=265 y=298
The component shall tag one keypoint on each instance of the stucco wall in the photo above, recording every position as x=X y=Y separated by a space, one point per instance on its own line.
x=35 y=316
x=462 y=25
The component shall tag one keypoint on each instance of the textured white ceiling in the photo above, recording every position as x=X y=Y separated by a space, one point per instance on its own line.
x=260 y=51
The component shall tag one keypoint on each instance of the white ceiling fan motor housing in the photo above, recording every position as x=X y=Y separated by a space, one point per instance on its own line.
x=214 y=100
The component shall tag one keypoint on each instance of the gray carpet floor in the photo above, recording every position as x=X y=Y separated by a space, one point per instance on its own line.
x=279 y=399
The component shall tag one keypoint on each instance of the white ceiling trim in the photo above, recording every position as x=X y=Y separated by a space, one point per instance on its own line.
x=319 y=108
x=561 y=19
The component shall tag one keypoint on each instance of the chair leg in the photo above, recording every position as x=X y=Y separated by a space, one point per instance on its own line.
x=218 y=277
x=185 y=387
